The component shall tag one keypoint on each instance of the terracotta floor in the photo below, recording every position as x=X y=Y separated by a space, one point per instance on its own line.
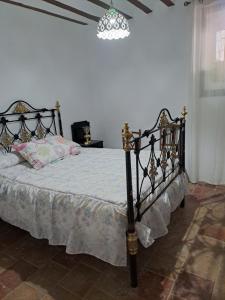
x=188 y=263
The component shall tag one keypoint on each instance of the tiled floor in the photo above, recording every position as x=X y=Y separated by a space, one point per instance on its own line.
x=188 y=263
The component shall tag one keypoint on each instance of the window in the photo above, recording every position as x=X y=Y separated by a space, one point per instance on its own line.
x=220 y=46
x=212 y=47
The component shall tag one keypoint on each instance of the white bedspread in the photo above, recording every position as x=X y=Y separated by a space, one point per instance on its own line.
x=80 y=202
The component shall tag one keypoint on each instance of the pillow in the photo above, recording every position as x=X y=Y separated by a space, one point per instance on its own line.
x=10 y=159
x=40 y=153
x=63 y=146
x=58 y=139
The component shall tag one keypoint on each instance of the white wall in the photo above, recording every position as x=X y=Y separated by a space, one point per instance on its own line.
x=42 y=59
x=107 y=82
x=132 y=79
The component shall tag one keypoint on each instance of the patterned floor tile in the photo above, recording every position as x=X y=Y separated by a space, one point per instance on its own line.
x=12 y=236
x=58 y=293
x=24 y=292
x=40 y=257
x=6 y=261
x=205 y=257
x=216 y=231
x=153 y=286
x=16 y=274
x=167 y=257
x=47 y=277
x=207 y=192
x=172 y=297
x=16 y=249
x=34 y=251
x=4 y=290
x=80 y=280
x=115 y=282
x=5 y=227
x=219 y=286
x=67 y=260
x=130 y=296
x=215 y=211
x=93 y=262
x=96 y=294
x=191 y=287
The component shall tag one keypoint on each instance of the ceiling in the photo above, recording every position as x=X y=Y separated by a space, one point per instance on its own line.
x=85 y=12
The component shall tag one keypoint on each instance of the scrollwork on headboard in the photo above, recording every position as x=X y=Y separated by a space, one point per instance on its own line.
x=21 y=108
x=165 y=143
x=21 y=123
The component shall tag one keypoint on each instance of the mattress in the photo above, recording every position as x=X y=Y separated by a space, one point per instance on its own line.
x=80 y=202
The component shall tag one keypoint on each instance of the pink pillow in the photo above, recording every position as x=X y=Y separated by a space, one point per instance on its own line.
x=40 y=153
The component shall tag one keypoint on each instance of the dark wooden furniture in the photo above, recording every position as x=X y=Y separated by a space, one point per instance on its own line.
x=78 y=135
x=77 y=129
x=94 y=144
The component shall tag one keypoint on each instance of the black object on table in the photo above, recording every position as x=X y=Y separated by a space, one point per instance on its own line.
x=78 y=135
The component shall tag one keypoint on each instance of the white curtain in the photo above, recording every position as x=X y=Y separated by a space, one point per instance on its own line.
x=207 y=104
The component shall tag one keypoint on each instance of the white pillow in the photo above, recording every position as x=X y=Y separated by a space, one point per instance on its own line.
x=10 y=159
x=56 y=138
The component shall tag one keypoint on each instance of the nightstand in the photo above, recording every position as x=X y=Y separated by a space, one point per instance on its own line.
x=94 y=144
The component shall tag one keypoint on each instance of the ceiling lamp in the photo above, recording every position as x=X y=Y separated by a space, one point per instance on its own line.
x=113 y=25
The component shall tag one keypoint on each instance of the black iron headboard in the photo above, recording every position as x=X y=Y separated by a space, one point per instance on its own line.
x=21 y=122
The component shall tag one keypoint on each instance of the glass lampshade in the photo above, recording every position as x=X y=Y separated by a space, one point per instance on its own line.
x=113 y=26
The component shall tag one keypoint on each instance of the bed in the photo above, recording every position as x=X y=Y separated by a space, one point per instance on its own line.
x=95 y=203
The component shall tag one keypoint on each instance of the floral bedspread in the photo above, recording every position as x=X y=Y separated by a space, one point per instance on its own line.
x=80 y=202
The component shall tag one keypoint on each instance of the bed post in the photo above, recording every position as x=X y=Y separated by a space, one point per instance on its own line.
x=132 y=244
x=57 y=107
x=182 y=145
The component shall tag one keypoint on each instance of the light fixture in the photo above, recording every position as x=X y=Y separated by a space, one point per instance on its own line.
x=113 y=25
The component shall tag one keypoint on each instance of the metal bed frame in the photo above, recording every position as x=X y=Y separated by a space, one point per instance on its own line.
x=167 y=133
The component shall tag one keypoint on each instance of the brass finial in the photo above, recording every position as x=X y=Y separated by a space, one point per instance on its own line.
x=132 y=243
x=57 y=106
x=126 y=136
x=184 y=112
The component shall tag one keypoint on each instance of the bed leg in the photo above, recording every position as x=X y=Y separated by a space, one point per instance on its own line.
x=182 y=205
x=132 y=242
x=133 y=271
x=132 y=245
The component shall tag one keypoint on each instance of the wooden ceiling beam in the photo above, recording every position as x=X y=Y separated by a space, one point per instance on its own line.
x=141 y=6
x=106 y=6
x=72 y=9
x=168 y=2
x=46 y=12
